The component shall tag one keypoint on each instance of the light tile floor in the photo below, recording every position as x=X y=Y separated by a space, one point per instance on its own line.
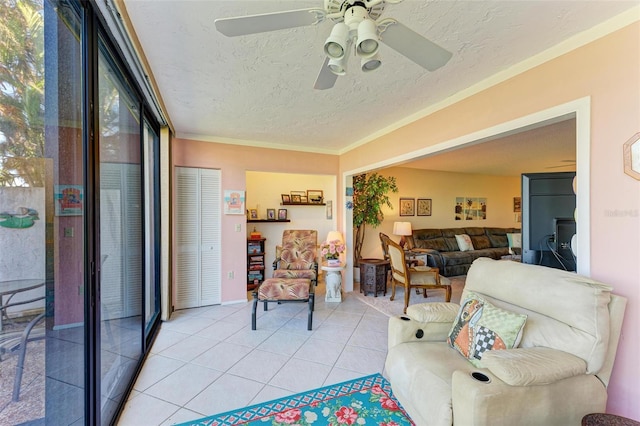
x=208 y=360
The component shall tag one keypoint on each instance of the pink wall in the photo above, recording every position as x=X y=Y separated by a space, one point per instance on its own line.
x=234 y=161
x=607 y=71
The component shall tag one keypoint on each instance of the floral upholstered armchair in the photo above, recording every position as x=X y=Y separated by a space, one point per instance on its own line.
x=298 y=255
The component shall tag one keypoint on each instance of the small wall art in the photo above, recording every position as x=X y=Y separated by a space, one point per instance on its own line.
x=407 y=206
x=517 y=204
x=233 y=201
x=282 y=214
x=69 y=200
x=471 y=208
x=424 y=207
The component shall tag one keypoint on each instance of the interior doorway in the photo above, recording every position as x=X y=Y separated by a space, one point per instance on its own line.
x=578 y=110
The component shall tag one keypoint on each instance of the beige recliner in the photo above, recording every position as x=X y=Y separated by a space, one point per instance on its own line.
x=556 y=374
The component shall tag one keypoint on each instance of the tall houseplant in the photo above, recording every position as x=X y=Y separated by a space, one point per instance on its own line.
x=369 y=195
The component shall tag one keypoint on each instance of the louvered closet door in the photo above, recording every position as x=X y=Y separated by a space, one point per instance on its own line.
x=198 y=206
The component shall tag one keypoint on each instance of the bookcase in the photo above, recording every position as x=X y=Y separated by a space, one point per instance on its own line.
x=255 y=262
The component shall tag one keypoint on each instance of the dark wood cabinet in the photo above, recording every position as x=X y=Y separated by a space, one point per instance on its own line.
x=255 y=262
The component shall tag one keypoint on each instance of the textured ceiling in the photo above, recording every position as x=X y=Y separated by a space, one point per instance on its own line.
x=258 y=89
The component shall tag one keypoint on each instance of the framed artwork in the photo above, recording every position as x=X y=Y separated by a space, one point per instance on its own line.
x=282 y=214
x=253 y=214
x=286 y=198
x=631 y=153
x=407 y=206
x=296 y=198
x=315 y=196
x=233 y=201
x=517 y=204
x=424 y=207
x=304 y=199
x=69 y=200
x=470 y=208
x=271 y=214
x=329 y=209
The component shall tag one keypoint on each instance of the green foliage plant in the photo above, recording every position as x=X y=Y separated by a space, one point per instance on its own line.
x=370 y=194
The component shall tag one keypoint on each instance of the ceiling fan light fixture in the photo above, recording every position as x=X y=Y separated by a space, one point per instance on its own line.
x=338 y=66
x=336 y=45
x=367 y=44
x=370 y=64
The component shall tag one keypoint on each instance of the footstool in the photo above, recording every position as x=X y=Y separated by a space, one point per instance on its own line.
x=284 y=290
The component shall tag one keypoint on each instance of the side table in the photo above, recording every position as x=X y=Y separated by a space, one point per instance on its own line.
x=373 y=276
x=333 y=282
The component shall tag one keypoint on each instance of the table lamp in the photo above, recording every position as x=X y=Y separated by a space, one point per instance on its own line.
x=403 y=229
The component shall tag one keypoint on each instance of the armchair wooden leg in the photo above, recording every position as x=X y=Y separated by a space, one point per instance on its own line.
x=393 y=290
x=407 y=295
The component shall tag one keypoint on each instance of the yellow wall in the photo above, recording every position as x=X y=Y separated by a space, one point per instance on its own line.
x=264 y=192
x=443 y=188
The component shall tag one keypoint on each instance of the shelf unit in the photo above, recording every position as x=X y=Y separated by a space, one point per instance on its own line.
x=267 y=220
x=303 y=204
x=255 y=262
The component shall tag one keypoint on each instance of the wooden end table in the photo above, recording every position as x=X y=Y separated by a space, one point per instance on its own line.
x=373 y=276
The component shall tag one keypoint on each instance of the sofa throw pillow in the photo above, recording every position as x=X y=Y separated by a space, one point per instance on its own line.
x=464 y=242
x=481 y=326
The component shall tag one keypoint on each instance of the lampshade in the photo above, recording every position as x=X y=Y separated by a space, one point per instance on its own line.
x=367 y=44
x=402 y=228
x=334 y=235
x=370 y=64
x=336 y=45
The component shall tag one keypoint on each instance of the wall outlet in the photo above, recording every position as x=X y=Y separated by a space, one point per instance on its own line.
x=230 y=275
x=238 y=227
x=68 y=232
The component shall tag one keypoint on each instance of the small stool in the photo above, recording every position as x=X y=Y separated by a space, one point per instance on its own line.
x=284 y=290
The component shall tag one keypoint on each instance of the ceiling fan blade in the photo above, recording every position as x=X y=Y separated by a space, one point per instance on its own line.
x=326 y=79
x=404 y=40
x=253 y=24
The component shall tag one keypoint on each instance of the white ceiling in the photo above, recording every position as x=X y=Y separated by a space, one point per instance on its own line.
x=258 y=89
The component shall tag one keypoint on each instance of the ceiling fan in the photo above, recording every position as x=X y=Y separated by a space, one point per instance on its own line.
x=357 y=23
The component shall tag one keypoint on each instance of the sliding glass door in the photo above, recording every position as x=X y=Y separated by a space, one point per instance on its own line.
x=78 y=191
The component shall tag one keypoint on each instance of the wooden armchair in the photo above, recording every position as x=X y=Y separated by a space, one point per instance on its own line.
x=418 y=277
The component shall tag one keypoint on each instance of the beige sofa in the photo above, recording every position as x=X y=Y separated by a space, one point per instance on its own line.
x=557 y=373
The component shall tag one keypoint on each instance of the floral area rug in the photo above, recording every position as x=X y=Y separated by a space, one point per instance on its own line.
x=395 y=307
x=367 y=400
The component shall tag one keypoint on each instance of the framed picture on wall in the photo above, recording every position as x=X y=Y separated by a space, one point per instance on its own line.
x=271 y=214
x=286 y=198
x=253 y=214
x=282 y=214
x=424 y=207
x=407 y=206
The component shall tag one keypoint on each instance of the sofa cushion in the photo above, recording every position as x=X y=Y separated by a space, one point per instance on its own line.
x=480 y=242
x=464 y=242
x=533 y=366
x=480 y=327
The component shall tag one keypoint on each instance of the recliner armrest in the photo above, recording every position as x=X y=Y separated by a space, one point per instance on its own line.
x=533 y=366
x=424 y=322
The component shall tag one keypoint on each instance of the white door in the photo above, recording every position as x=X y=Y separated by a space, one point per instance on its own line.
x=198 y=207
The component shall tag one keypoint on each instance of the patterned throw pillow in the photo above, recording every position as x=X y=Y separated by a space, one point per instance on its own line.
x=464 y=242
x=481 y=326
